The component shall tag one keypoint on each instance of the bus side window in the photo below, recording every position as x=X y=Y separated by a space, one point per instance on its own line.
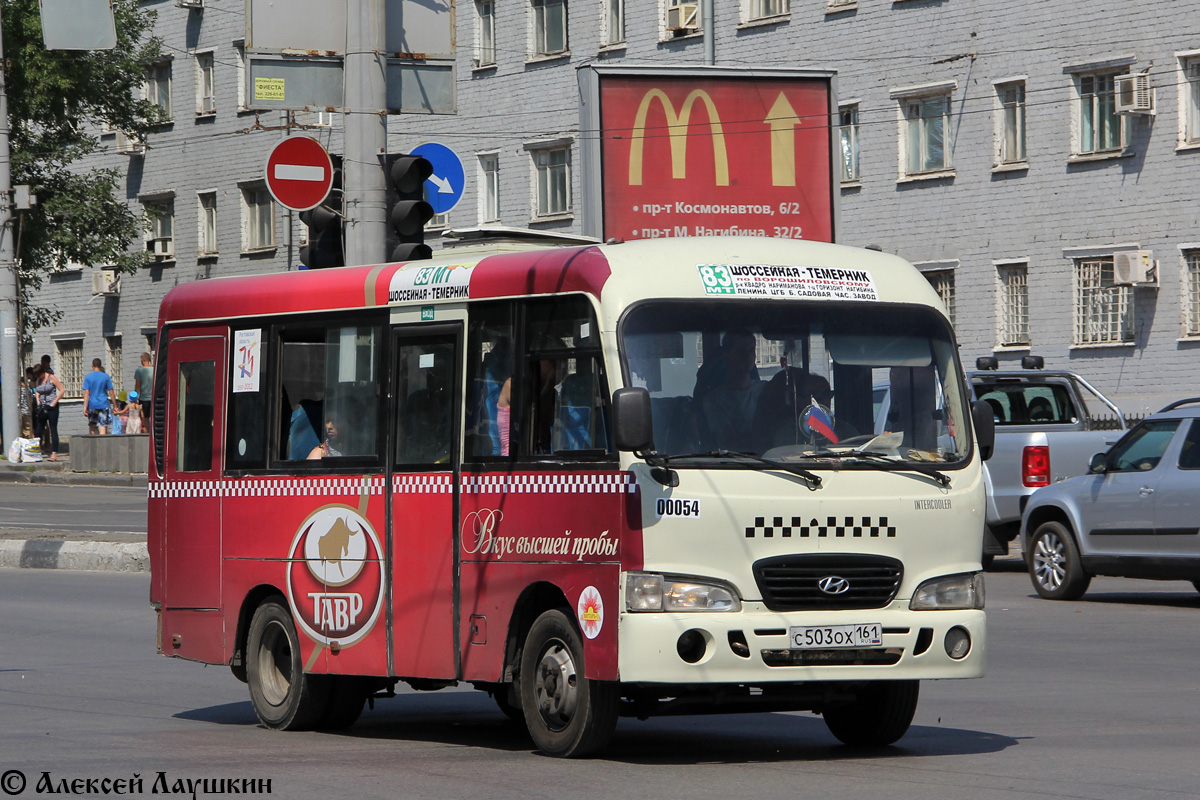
x=193 y=448
x=329 y=397
x=489 y=376
x=564 y=397
x=246 y=445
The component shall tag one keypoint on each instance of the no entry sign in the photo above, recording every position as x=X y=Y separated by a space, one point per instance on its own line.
x=299 y=173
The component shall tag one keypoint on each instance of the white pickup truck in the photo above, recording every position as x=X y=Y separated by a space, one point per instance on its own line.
x=1048 y=426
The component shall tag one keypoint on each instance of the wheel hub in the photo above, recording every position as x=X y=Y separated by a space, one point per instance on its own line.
x=556 y=687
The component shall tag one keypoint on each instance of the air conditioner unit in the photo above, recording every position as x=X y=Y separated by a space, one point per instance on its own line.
x=1133 y=93
x=161 y=248
x=682 y=17
x=190 y=4
x=129 y=145
x=106 y=282
x=1135 y=268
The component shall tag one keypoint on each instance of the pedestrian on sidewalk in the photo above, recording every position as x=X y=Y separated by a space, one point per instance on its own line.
x=98 y=399
x=134 y=425
x=143 y=384
x=49 y=391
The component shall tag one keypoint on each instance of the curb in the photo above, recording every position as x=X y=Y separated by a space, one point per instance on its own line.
x=50 y=554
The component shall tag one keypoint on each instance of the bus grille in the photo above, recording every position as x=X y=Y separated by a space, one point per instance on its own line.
x=791 y=583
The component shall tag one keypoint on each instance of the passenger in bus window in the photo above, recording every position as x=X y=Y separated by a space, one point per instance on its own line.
x=504 y=415
x=329 y=445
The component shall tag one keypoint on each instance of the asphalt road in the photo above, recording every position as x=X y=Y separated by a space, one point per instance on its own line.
x=1090 y=699
x=71 y=510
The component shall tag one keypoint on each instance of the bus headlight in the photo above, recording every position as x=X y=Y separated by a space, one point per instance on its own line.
x=949 y=593
x=646 y=591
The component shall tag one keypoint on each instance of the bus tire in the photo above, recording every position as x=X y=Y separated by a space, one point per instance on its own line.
x=567 y=714
x=347 y=695
x=879 y=715
x=284 y=697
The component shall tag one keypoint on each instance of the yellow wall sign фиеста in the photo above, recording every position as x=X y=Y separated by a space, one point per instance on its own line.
x=268 y=89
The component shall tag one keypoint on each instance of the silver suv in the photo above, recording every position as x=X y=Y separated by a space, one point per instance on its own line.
x=1136 y=514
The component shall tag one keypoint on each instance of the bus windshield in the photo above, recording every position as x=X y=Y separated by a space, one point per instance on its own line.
x=817 y=382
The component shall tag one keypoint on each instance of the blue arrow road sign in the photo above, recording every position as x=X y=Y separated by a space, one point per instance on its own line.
x=445 y=187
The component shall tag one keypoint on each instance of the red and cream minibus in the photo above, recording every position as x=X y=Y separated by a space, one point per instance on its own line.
x=611 y=480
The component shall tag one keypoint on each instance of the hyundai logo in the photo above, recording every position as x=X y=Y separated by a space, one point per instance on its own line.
x=833 y=584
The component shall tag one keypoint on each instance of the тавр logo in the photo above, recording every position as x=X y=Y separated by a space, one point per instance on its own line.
x=335 y=575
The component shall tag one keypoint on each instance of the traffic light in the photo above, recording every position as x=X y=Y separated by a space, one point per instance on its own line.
x=324 y=248
x=407 y=209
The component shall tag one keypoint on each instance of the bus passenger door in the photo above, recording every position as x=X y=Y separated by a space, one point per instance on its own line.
x=425 y=448
x=191 y=616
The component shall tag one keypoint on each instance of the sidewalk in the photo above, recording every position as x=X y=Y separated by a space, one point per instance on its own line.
x=41 y=549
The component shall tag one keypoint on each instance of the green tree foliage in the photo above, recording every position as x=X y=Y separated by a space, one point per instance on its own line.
x=58 y=101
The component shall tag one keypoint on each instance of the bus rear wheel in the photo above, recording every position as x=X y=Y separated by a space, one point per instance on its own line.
x=567 y=714
x=879 y=715
x=283 y=696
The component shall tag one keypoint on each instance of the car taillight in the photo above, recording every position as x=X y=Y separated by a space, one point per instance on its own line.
x=1035 y=465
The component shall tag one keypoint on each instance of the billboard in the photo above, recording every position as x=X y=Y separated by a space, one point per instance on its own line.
x=708 y=152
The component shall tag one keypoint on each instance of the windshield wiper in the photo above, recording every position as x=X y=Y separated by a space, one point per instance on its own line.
x=663 y=470
x=883 y=458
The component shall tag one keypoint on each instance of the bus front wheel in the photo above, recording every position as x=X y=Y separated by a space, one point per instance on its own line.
x=879 y=714
x=567 y=714
x=283 y=696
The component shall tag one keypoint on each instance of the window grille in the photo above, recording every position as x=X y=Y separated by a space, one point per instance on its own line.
x=1103 y=311
x=1014 y=305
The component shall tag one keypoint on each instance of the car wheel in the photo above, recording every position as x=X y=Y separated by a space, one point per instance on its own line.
x=284 y=697
x=1054 y=564
x=879 y=714
x=567 y=714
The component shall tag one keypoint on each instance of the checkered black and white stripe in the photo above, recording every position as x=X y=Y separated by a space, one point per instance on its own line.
x=546 y=483
x=574 y=483
x=834 y=527
x=269 y=487
x=422 y=484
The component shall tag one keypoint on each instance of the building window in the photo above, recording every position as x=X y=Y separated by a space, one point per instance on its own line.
x=614 y=21
x=1190 y=100
x=1103 y=310
x=761 y=9
x=848 y=130
x=552 y=167
x=924 y=134
x=112 y=360
x=549 y=27
x=1191 y=293
x=1100 y=126
x=1012 y=122
x=158 y=86
x=1013 y=301
x=161 y=214
x=489 y=183
x=259 y=218
x=683 y=17
x=485 y=45
x=438 y=221
x=208 y=223
x=239 y=49
x=942 y=281
x=70 y=366
x=206 y=92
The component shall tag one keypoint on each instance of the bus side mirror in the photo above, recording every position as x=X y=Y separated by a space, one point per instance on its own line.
x=632 y=424
x=984 y=417
x=1099 y=464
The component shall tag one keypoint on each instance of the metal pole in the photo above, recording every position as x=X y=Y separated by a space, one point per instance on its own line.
x=710 y=33
x=365 y=135
x=10 y=369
